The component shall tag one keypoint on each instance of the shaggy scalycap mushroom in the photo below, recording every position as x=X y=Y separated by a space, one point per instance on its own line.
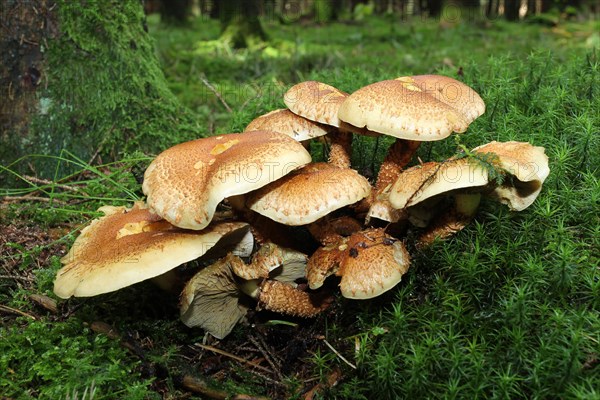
x=413 y=108
x=370 y=263
x=527 y=169
x=401 y=110
x=430 y=179
x=127 y=246
x=185 y=183
x=454 y=93
x=308 y=194
x=315 y=101
x=285 y=121
x=214 y=298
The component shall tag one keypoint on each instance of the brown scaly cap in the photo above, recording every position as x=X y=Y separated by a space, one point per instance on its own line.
x=127 y=246
x=526 y=164
x=284 y=298
x=325 y=261
x=449 y=91
x=374 y=264
x=308 y=194
x=370 y=262
x=424 y=181
x=285 y=121
x=401 y=110
x=315 y=101
x=185 y=183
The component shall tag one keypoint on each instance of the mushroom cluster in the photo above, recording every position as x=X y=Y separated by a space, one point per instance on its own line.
x=247 y=204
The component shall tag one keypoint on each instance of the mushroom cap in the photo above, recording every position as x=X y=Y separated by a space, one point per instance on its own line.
x=185 y=183
x=127 y=246
x=325 y=261
x=374 y=264
x=308 y=194
x=315 y=101
x=526 y=164
x=402 y=110
x=454 y=93
x=285 y=121
x=370 y=263
x=424 y=181
x=211 y=299
x=290 y=264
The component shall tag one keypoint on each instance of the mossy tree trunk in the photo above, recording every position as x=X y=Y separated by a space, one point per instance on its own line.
x=84 y=79
x=240 y=26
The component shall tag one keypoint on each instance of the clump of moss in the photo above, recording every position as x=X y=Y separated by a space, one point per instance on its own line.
x=106 y=91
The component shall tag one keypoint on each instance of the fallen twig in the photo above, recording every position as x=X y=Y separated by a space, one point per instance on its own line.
x=338 y=354
x=212 y=89
x=267 y=356
x=15 y=311
x=232 y=356
x=32 y=198
x=33 y=179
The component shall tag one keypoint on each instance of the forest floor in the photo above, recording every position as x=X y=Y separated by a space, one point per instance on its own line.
x=507 y=308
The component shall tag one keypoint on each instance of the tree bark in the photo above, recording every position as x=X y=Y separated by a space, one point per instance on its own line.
x=83 y=79
x=511 y=10
x=175 y=11
x=240 y=26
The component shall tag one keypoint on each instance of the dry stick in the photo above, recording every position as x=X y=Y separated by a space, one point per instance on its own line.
x=267 y=357
x=232 y=356
x=338 y=354
x=199 y=385
x=32 y=198
x=212 y=89
x=189 y=382
x=33 y=179
x=15 y=311
x=16 y=278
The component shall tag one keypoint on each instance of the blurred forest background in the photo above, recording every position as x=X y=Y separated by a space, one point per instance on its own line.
x=91 y=91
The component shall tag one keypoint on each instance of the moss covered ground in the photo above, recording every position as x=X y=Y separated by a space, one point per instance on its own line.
x=508 y=308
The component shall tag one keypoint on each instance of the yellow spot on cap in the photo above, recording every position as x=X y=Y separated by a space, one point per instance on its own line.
x=408 y=83
x=198 y=165
x=220 y=148
x=132 y=229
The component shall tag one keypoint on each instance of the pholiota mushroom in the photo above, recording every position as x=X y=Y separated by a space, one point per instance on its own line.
x=285 y=121
x=127 y=246
x=185 y=183
x=319 y=102
x=423 y=190
x=370 y=263
x=308 y=194
x=215 y=298
x=411 y=109
x=526 y=169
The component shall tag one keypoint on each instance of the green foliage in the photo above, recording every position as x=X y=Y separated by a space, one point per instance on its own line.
x=41 y=359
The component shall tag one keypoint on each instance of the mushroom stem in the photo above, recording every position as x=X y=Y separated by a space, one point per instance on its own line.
x=251 y=287
x=453 y=220
x=284 y=298
x=340 y=150
x=399 y=154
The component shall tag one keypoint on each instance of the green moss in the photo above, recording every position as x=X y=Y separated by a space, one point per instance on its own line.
x=106 y=91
